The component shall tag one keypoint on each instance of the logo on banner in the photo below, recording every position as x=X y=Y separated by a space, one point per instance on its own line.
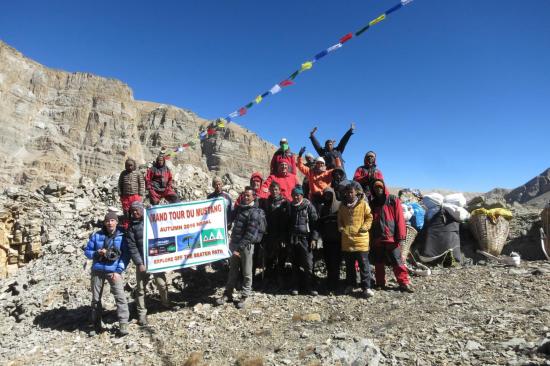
x=185 y=234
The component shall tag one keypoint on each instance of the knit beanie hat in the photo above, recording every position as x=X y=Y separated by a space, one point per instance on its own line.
x=137 y=205
x=111 y=216
x=298 y=190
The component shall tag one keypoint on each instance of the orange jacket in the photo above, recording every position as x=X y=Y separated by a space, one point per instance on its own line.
x=317 y=181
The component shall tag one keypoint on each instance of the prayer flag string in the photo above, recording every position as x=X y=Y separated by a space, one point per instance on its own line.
x=309 y=64
x=169 y=153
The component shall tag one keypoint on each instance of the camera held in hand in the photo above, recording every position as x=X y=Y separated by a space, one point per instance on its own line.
x=111 y=254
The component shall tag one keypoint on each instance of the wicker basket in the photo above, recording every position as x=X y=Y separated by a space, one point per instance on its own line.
x=406 y=248
x=491 y=237
x=545 y=216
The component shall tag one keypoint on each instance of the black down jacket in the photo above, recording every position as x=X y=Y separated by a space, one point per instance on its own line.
x=246 y=225
x=134 y=236
x=303 y=220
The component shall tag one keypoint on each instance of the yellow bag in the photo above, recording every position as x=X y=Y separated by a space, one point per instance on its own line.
x=493 y=213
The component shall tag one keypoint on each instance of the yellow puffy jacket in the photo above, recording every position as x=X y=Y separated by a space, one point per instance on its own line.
x=354 y=224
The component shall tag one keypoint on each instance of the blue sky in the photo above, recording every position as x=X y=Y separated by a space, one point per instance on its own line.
x=450 y=94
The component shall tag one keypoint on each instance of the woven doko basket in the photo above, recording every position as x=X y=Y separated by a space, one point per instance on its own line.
x=545 y=216
x=406 y=248
x=490 y=237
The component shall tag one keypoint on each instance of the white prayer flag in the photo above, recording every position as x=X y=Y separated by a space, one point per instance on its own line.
x=334 y=48
x=276 y=88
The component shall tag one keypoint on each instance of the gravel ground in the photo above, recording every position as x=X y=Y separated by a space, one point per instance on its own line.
x=485 y=314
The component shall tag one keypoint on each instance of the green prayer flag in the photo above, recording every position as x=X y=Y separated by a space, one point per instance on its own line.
x=362 y=30
x=294 y=74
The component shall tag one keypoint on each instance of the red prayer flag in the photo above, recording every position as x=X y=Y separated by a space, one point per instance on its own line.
x=242 y=111
x=346 y=38
x=286 y=83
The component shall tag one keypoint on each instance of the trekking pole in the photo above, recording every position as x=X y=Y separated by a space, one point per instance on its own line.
x=314 y=276
x=543 y=239
x=262 y=248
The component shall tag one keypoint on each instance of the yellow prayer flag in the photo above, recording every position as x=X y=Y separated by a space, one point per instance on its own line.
x=258 y=99
x=377 y=20
x=306 y=66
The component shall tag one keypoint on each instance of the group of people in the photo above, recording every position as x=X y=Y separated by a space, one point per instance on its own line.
x=356 y=220
x=273 y=222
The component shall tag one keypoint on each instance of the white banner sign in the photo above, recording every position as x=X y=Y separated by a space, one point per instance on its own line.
x=185 y=234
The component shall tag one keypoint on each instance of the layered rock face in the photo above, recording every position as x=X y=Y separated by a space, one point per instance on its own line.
x=536 y=192
x=62 y=126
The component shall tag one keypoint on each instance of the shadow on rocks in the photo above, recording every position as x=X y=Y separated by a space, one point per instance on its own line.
x=527 y=245
x=198 y=286
x=69 y=319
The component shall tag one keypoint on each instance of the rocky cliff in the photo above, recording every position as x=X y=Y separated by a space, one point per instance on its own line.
x=62 y=126
x=536 y=192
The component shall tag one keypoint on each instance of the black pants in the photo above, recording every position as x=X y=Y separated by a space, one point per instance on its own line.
x=333 y=257
x=302 y=257
x=275 y=255
x=270 y=255
x=362 y=259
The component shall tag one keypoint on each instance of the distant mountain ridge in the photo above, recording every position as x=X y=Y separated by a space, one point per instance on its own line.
x=535 y=192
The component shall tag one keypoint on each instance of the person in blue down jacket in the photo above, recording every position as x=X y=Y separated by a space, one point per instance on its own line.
x=109 y=252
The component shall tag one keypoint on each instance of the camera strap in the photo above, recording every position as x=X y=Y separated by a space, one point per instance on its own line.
x=108 y=241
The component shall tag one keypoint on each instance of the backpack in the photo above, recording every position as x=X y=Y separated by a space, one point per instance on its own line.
x=262 y=224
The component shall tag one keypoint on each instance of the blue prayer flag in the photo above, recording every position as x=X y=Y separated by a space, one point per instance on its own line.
x=321 y=55
x=393 y=9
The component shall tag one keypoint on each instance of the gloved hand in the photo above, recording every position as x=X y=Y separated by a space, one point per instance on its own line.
x=313 y=131
x=302 y=151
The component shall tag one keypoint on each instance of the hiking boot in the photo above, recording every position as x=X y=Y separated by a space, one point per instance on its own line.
x=222 y=300
x=406 y=288
x=242 y=302
x=142 y=321
x=168 y=305
x=380 y=288
x=348 y=290
x=368 y=293
x=123 y=330
x=97 y=329
x=312 y=293
x=294 y=292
